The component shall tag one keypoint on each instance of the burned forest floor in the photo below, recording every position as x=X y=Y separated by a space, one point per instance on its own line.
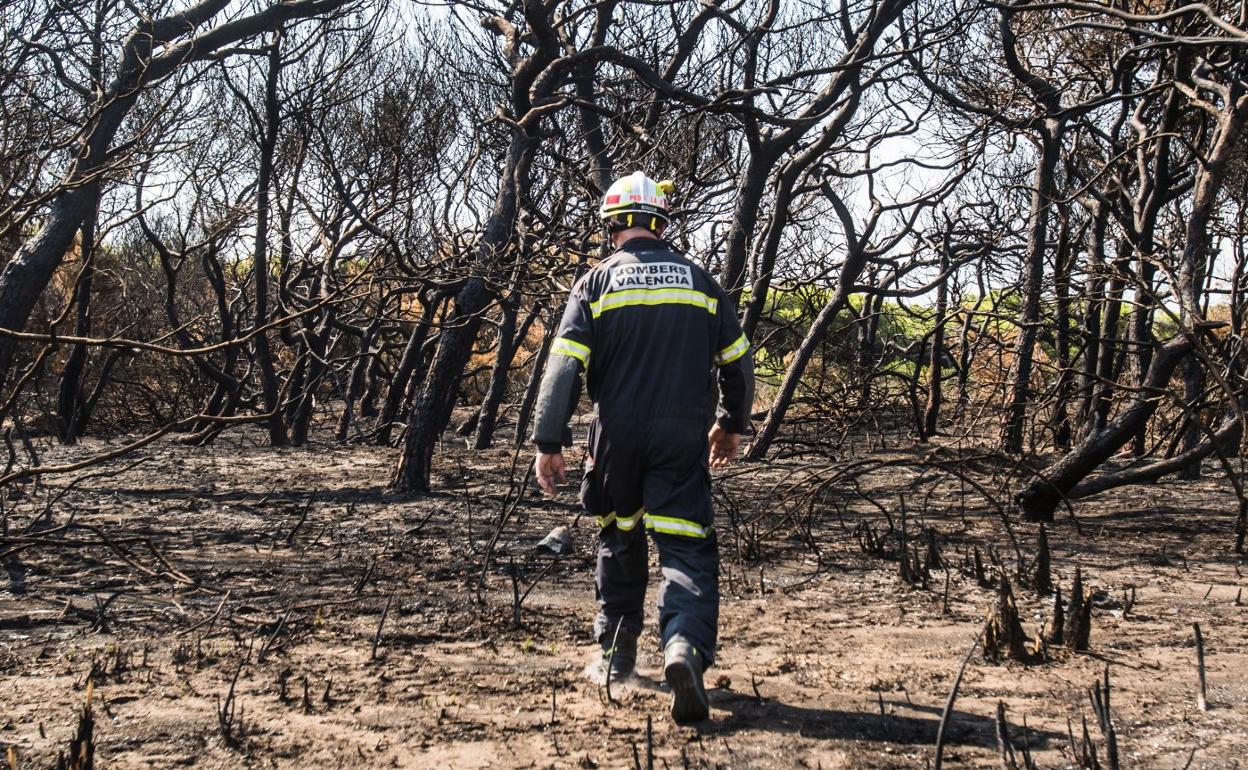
x=241 y=606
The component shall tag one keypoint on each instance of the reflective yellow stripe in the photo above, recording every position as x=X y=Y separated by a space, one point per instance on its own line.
x=566 y=347
x=733 y=351
x=630 y=523
x=634 y=297
x=668 y=525
x=625 y=523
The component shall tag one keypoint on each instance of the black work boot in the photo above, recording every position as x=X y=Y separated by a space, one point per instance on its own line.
x=682 y=668
x=618 y=661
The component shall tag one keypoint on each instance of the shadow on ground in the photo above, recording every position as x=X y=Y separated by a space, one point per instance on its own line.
x=774 y=716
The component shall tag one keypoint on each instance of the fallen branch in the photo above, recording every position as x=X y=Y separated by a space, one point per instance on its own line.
x=1202 y=699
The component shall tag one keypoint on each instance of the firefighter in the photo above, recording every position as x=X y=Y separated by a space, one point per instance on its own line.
x=664 y=359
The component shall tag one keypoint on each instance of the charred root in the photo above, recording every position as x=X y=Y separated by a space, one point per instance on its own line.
x=230 y=715
x=1005 y=637
x=82 y=746
x=1241 y=526
x=871 y=542
x=1042 y=573
x=1100 y=697
x=1079 y=615
x=973 y=566
x=913 y=568
x=1056 y=633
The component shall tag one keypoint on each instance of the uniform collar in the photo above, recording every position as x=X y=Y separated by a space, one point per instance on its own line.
x=641 y=242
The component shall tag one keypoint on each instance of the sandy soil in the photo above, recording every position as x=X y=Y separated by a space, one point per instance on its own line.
x=828 y=658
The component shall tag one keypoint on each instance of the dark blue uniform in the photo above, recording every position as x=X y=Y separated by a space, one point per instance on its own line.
x=663 y=354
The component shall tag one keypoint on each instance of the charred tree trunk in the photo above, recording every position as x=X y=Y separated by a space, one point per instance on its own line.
x=1155 y=191
x=793 y=375
x=966 y=348
x=316 y=339
x=408 y=362
x=1039 y=498
x=1093 y=308
x=1049 y=128
x=912 y=387
x=372 y=385
x=317 y=349
x=26 y=276
x=509 y=343
x=744 y=220
x=534 y=384
x=1109 y=366
x=71 y=404
x=1033 y=289
x=935 y=380
x=601 y=169
x=355 y=381
x=1142 y=338
x=531 y=84
x=764 y=260
x=148 y=55
x=226 y=394
x=767 y=149
x=1196 y=256
x=497 y=389
x=1064 y=261
x=1228 y=435
x=431 y=412
x=1224 y=440
x=855 y=260
x=101 y=382
x=70 y=401
x=269 y=388
x=869 y=344
x=1193 y=395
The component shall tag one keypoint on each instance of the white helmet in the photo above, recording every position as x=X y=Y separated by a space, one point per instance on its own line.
x=636 y=200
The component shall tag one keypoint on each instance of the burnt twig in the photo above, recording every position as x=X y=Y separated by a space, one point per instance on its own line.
x=953 y=696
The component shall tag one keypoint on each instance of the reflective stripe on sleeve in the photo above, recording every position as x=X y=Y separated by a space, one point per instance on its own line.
x=732 y=352
x=566 y=347
x=668 y=525
x=638 y=297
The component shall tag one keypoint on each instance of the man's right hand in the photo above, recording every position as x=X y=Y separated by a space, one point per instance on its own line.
x=550 y=470
x=723 y=446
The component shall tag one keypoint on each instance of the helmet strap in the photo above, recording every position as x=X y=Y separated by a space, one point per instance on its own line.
x=621 y=222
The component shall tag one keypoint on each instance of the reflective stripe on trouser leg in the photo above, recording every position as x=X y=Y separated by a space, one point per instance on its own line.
x=689 y=595
x=625 y=523
x=620 y=581
x=670 y=525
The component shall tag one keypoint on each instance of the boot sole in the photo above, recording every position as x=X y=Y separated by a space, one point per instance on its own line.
x=689 y=702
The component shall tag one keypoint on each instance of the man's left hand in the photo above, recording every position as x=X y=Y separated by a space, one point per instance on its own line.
x=550 y=470
x=723 y=446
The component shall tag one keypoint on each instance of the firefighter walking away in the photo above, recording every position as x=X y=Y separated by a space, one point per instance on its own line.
x=662 y=355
